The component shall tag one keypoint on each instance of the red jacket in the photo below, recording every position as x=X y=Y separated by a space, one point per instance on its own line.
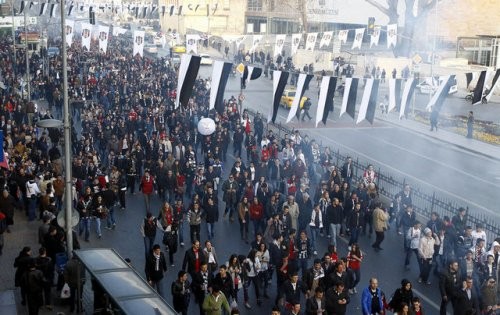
x=256 y=211
x=147 y=186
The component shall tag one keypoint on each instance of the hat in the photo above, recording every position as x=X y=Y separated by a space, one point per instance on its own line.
x=427 y=230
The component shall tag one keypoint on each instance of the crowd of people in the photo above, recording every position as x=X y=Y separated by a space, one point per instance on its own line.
x=287 y=194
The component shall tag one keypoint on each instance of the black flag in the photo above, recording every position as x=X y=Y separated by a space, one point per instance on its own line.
x=350 y=95
x=21 y=10
x=325 y=101
x=493 y=85
x=468 y=76
x=220 y=75
x=279 y=83
x=479 y=89
x=188 y=71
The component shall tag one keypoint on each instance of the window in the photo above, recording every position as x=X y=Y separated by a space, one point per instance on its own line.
x=254 y=5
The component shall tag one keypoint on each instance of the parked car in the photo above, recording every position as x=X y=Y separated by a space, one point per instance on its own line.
x=53 y=51
x=180 y=49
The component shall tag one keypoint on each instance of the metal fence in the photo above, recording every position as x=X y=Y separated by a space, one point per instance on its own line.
x=425 y=201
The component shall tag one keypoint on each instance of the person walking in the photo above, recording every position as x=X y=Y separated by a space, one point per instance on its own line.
x=371 y=299
x=181 y=293
x=74 y=276
x=380 y=220
x=426 y=252
x=449 y=283
x=156 y=266
x=147 y=187
x=149 y=226
x=305 y=109
x=470 y=124
x=214 y=303
x=34 y=281
x=434 y=119
x=354 y=259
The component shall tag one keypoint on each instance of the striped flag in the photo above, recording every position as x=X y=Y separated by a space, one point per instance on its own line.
x=479 y=89
x=369 y=101
x=494 y=85
x=250 y=73
x=349 y=99
x=280 y=78
x=43 y=8
x=408 y=92
x=438 y=98
x=188 y=71
x=394 y=94
x=220 y=75
x=325 y=102
x=302 y=86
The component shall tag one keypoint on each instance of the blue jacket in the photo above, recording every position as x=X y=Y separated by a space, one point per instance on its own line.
x=366 y=301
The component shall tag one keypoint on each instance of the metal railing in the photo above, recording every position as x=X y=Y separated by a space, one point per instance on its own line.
x=425 y=201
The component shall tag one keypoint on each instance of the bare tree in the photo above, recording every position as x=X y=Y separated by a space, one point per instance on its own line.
x=412 y=20
x=297 y=8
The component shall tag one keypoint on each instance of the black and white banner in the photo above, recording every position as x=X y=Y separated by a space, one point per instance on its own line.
x=392 y=35
x=350 y=95
x=343 y=36
x=188 y=71
x=358 y=38
x=138 y=43
x=220 y=75
x=375 y=37
x=479 y=89
x=43 y=8
x=369 y=101
x=494 y=85
x=302 y=86
x=103 y=38
x=70 y=26
x=325 y=101
x=280 y=78
x=86 y=33
x=255 y=43
x=192 y=43
x=311 y=41
x=469 y=76
x=326 y=39
x=53 y=10
x=250 y=73
x=394 y=94
x=408 y=92
x=295 y=42
x=280 y=43
x=438 y=98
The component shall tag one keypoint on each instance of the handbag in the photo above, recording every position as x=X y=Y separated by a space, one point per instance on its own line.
x=65 y=292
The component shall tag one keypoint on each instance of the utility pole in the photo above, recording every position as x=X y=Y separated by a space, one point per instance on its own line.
x=28 y=89
x=14 y=37
x=67 y=141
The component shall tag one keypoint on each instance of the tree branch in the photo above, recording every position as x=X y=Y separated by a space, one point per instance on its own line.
x=379 y=6
x=429 y=5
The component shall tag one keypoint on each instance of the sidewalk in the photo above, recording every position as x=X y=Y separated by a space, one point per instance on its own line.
x=455 y=139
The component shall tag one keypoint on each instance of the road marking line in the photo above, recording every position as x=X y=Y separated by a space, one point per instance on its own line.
x=408 y=175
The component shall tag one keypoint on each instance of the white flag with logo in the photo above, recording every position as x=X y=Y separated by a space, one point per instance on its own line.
x=295 y=43
x=255 y=42
x=343 y=36
x=192 y=43
x=70 y=25
x=358 y=38
x=326 y=39
x=103 y=38
x=138 y=43
x=392 y=35
x=86 y=33
x=280 y=43
x=239 y=41
x=375 y=36
x=311 y=41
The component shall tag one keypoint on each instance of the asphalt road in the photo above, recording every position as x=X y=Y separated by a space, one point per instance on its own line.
x=468 y=178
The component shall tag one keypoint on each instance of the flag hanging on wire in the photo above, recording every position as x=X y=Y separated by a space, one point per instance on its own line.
x=394 y=94
x=86 y=32
x=369 y=101
x=438 y=98
x=350 y=95
x=325 y=101
x=280 y=43
x=392 y=35
x=53 y=10
x=302 y=86
x=250 y=73
x=138 y=43
x=374 y=39
x=469 y=76
x=188 y=71
x=358 y=38
x=280 y=78
x=408 y=92
x=21 y=9
x=70 y=9
x=43 y=8
x=220 y=75
x=70 y=25
x=494 y=85
x=479 y=89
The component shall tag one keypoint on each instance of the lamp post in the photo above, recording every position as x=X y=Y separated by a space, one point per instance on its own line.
x=67 y=137
x=51 y=123
x=28 y=87
x=14 y=37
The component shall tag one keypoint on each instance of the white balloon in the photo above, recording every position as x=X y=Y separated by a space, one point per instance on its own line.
x=206 y=126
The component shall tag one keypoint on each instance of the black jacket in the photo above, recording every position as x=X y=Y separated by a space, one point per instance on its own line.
x=332 y=298
x=190 y=259
x=151 y=273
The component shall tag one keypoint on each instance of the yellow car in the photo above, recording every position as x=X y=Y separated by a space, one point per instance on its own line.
x=179 y=49
x=287 y=99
